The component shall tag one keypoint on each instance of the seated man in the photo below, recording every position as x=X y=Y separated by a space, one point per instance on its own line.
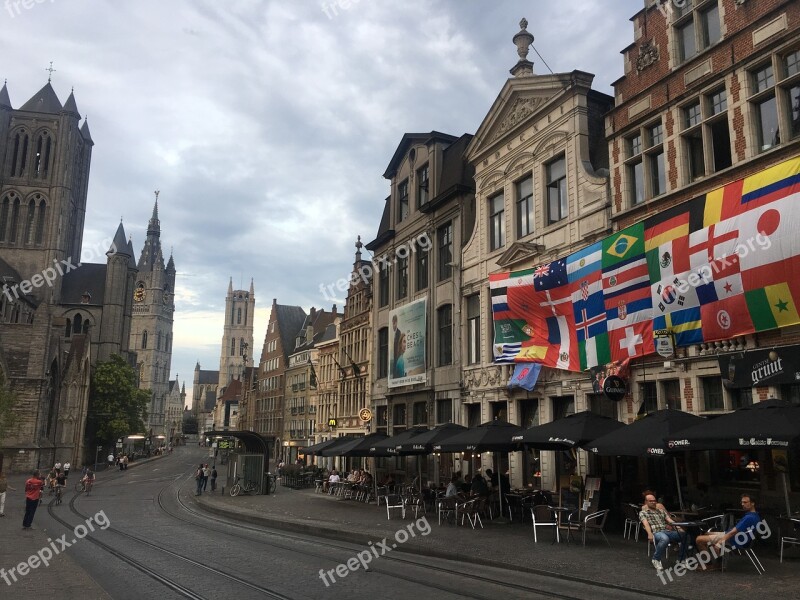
x=742 y=533
x=332 y=478
x=479 y=487
x=657 y=524
x=452 y=487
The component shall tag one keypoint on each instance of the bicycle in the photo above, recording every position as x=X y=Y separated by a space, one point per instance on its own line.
x=249 y=486
x=80 y=486
x=58 y=494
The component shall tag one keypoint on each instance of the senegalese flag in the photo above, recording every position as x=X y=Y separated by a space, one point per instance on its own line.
x=772 y=306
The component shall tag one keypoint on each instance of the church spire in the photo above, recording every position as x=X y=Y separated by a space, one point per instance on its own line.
x=5 y=101
x=151 y=257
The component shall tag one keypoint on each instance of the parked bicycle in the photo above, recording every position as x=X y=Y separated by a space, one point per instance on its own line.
x=247 y=487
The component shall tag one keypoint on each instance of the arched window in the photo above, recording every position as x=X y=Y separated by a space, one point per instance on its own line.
x=233 y=346
x=4 y=208
x=241 y=346
x=19 y=155
x=40 y=221
x=76 y=323
x=68 y=330
x=238 y=316
x=29 y=222
x=41 y=164
x=12 y=236
x=158 y=340
x=144 y=340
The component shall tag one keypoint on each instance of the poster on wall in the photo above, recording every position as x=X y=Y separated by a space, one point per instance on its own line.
x=407 y=344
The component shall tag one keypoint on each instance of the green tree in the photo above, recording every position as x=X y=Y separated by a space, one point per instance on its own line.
x=116 y=406
x=7 y=401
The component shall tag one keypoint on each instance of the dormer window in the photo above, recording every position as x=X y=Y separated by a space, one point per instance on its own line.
x=697 y=27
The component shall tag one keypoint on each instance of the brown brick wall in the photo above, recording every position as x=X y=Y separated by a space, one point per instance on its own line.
x=688 y=395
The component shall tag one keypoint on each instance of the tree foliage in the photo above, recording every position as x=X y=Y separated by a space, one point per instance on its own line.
x=117 y=408
x=7 y=401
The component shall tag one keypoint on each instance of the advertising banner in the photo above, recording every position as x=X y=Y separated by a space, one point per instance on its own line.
x=407 y=344
x=759 y=368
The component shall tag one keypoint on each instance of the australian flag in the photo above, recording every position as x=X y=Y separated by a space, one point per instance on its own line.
x=550 y=276
x=525 y=376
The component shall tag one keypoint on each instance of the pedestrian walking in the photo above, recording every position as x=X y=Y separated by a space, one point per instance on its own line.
x=4 y=487
x=57 y=466
x=67 y=467
x=198 y=476
x=110 y=459
x=206 y=475
x=33 y=493
x=214 y=479
x=125 y=462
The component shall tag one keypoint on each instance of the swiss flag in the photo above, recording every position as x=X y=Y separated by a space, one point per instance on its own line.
x=631 y=341
x=725 y=319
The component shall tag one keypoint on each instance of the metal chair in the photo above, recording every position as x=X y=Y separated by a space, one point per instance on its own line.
x=632 y=521
x=543 y=516
x=446 y=507
x=790 y=532
x=595 y=521
x=469 y=509
x=395 y=501
x=381 y=494
x=748 y=550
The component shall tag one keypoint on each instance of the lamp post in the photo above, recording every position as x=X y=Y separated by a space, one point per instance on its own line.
x=96 y=454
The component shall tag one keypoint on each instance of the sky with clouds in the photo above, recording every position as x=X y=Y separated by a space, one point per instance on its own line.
x=267 y=124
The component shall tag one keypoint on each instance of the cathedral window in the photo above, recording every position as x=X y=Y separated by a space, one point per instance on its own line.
x=19 y=155
x=76 y=323
x=233 y=347
x=40 y=222
x=86 y=326
x=144 y=340
x=158 y=340
x=238 y=316
x=241 y=346
x=4 y=209
x=41 y=166
x=12 y=236
x=29 y=220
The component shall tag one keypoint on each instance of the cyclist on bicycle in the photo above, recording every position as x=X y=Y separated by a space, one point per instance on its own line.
x=88 y=480
x=61 y=483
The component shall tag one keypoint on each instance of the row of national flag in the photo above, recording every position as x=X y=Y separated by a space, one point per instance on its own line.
x=721 y=265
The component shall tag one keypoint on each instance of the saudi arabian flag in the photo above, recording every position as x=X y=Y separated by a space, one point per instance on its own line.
x=624 y=246
x=772 y=307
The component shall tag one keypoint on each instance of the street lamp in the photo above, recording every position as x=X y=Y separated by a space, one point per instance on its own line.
x=96 y=454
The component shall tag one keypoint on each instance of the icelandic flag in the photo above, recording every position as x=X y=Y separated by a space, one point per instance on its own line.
x=525 y=376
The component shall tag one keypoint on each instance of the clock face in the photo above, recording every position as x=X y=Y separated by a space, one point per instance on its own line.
x=139 y=294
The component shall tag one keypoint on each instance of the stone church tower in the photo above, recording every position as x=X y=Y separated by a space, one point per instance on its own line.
x=237 y=337
x=60 y=312
x=151 y=326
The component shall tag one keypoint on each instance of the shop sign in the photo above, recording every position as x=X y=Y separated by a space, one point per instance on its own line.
x=759 y=368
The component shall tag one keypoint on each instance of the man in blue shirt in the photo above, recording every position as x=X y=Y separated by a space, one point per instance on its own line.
x=742 y=533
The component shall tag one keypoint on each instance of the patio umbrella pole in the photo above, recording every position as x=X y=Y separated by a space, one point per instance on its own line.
x=786 y=494
x=501 y=520
x=678 y=481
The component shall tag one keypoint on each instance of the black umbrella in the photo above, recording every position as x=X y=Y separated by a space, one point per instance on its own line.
x=390 y=446
x=357 y=446
x=645 y=437
x=423 y=443
x=768 y=424
x=575 y=430
x=317 y=448
x=772 y=423
x=494 y=436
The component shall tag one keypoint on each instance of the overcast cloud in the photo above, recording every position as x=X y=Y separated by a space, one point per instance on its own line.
x=267 y=125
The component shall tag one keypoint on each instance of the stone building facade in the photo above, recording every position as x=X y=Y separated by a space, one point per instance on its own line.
x=540 y=161
x=151 y=325
x=237 y=338
x=59 y=312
